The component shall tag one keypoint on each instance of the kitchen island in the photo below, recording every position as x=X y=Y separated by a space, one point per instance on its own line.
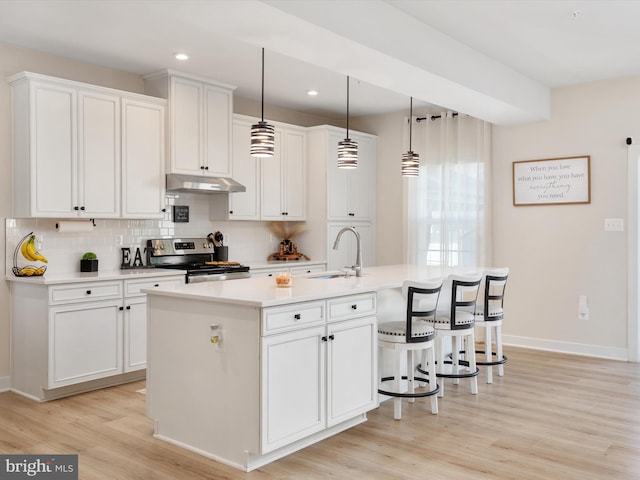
x=245 y=373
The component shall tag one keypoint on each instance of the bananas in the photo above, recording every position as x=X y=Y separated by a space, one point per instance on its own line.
x=29 y=251
x=30 y=270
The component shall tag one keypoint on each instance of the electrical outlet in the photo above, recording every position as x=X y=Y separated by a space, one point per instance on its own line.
x=614 y=224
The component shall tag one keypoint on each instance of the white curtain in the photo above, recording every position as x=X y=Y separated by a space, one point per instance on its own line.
x=448 y=207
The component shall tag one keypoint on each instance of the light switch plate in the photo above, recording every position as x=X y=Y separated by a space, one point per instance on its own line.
x=614 y=224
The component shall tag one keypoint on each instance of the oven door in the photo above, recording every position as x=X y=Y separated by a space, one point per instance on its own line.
x=198 y=277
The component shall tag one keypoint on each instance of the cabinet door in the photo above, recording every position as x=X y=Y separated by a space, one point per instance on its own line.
x=98 y=154
x=218 y=111
x=135 y=334
x=337 y=182
x=362 y=180
x=292 y=387
x=143 y=182
x=295 y=181
x=272 y=182
x=351 y=369
x=244 y=205
x=53 y=151
x=186 y=126
x=85 y=342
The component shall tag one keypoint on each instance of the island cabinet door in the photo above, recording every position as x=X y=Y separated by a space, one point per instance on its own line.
x=293 y=387
x=351 y=369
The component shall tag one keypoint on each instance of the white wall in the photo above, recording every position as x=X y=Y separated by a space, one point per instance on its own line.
x=557 y=253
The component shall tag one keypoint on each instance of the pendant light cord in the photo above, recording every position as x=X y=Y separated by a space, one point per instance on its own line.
x=347 y=106
x=262 y=96
x=410 y=122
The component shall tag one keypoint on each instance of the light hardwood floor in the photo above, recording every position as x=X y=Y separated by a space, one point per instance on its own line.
x=552 y=416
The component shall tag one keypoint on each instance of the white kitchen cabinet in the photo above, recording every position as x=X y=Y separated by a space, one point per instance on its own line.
x=319 y=376
x=283 y=177
x=200 y=119
x=85 y=342
x=275 y=187
x=351 y=192
x=293 y=386
x=143 y=153
x=346 y=253
x=70 y=337
x=240 y=205
x=67 y=149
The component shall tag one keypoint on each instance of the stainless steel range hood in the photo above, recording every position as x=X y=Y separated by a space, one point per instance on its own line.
x=196 y=184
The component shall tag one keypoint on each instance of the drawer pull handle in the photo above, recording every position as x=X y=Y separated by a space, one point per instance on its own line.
x=354 y=307
x=297 y=316
x=331 y=337
x=157 y=285
x=88 y=292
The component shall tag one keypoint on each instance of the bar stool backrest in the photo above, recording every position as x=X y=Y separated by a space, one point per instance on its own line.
x=422 y=303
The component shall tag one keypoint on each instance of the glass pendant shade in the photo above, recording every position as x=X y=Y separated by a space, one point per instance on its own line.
x=347 y=148
x=410 y=160
x=410 y=164
x=263 y=138
x=347 y=154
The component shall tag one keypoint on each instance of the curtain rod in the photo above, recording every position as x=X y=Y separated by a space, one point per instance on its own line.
x=433 y=117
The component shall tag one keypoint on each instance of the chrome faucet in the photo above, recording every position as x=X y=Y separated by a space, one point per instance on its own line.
x=358 y=266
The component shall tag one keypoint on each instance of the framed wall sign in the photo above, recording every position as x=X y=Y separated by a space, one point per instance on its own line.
x=552 y=181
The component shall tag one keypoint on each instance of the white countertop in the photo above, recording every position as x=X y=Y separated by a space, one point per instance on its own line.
x=262 y=291
x=73 y=277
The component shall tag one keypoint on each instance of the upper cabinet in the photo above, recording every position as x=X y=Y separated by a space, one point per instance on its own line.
x=283 y=176
x=351 y=192
x=275 y=186
x=200 y=119
x=68 y=150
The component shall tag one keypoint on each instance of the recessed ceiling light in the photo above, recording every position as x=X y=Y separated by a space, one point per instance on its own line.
x=181 y=56
x=312 y=93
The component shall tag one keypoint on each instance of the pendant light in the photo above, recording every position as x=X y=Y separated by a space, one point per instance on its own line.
x=262 y=134
x=347 y=148
x=410 y=160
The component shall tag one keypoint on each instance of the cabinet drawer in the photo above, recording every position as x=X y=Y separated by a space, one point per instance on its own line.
x=132 y=287
x=353 y=306
x=306 y=270
x=85 y=292
x=290 y=317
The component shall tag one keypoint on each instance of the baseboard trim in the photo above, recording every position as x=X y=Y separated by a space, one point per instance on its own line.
x=598 y=351
x=5 y=384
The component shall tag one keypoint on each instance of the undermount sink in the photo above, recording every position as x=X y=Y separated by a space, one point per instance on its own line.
x=330 y=275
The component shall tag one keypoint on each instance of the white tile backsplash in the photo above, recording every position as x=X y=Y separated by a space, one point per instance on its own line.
x=247 y=241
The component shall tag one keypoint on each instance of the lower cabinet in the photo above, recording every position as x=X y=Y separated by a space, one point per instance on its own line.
x=67 y=334
x=85 y=342
x=316 y=376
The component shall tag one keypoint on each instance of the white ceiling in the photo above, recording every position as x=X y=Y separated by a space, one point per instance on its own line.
x=494 y=59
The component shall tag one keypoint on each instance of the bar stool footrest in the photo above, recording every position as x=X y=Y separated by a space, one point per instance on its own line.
x=409 y=395
x=495 y=362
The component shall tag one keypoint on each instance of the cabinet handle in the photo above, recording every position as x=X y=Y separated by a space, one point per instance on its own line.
x=354 y=307
x=88 y=292
x=121 y=308
x=352 y=214
x=206 y=168
x=82 y=208
x=331 y=337
x=76 y=208
x=201 y=167
x=157 y=285
x=270 y=275
x=324 y=339
x=230 y=212
x=128 y=307
x=164 y=210
x=297 y=316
